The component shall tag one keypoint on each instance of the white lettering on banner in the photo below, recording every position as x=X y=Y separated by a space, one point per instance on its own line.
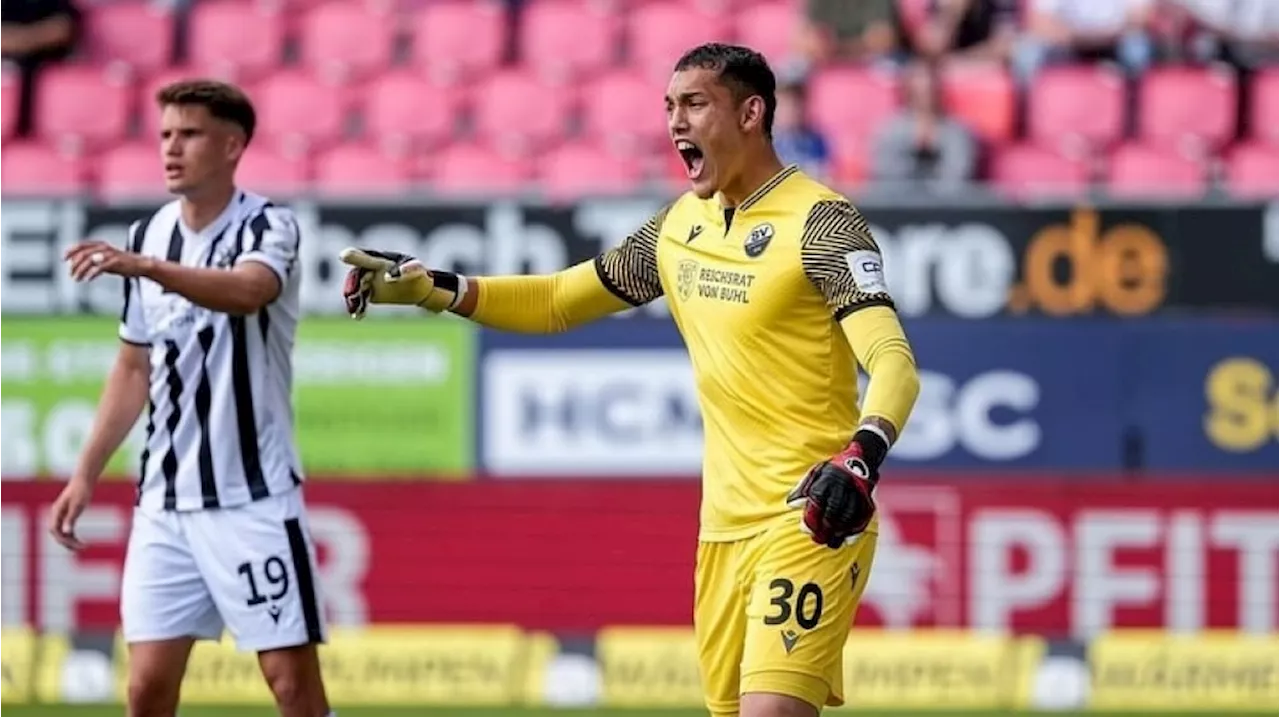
x=947 y=415
x=1102 y=586
x=67 y=579
x=996 y=588
x=1255 y=537
x=918 y=559
x=967 y=269
x=591 y=412
x=13 y=565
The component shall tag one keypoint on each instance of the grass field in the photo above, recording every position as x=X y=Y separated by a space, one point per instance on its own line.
x=205 y=711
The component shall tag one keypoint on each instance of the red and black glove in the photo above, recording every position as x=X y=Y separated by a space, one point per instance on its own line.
x=836 y=495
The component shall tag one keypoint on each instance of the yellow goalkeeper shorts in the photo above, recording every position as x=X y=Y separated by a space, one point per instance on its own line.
x=772 y=613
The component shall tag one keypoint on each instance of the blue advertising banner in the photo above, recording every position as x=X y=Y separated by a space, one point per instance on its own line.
x=618 y=398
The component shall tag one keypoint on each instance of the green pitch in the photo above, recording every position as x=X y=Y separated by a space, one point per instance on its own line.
x=116 y=711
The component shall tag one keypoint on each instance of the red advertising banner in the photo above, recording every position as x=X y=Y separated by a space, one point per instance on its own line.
x=1057 y=557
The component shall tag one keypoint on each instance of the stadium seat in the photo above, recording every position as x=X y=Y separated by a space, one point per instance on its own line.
x=1031 y=170
x=457 y=39
x=517 y=109
x=582 y=169
x=10 y=92
x=239 y=39
x=476 y=170
x=345 y=41
x=1264 y=115
x=355 y=169
x=403 y=106
x=563 y=40
x=982 y=97
x=848 y=100
x=270 y=172
x=1252 y=170
x=770 y=27
x=294 y=105
x=1076 y=105
x=88 y=104
x=114 y=30
x=1189 y=107
x=662 y=30
x=34 y=168
x=624 y=108
x=133 y=169
x=1142 y=170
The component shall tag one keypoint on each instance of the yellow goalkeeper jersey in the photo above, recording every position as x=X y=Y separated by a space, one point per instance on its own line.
x=758 y=293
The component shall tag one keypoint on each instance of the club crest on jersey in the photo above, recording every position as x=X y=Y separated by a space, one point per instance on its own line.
x=758 y=239
x=686 y=278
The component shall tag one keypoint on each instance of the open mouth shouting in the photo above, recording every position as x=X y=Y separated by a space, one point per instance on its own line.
x=694 y=161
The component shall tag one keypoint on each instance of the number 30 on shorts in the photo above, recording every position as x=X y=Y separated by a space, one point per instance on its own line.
x=807 y=602
x=277 y=577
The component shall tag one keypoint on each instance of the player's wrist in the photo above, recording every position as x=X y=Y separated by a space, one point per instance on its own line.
x=873 y=445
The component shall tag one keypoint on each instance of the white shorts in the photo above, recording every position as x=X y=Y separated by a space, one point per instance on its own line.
x=250 y=569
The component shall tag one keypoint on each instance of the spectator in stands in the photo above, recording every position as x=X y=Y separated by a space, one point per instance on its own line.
x=1242 y=33
x=922 y=145
x=34 y=33
x=850 y=30
x=794 y=138
x=1064 y=30
x=968 y=29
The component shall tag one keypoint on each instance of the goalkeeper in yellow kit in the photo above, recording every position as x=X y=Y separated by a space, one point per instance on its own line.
x=777 y=287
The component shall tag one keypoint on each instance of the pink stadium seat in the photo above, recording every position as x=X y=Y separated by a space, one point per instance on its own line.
x=1077 y=105
x=476 y=169
x=624 y=108
x=114 y=31
x=295 y=105
x=662 y=30
x=1252 y=169
x=1142 y=170
x=345 y=40
x=582 y=169
x=516 y=107
x=404 y=106
x=33 y=168
x=355 y=169
x=1180 y=105
x=455 y=39
x=10 y=90
x=85 y=103
x=264 y=170
x=566 y=39
x=1264 y=115
x=1031 y=170
x=237 y=38
x=981 y=96
x=134 y=169
x=770 y=27
x=848 y=100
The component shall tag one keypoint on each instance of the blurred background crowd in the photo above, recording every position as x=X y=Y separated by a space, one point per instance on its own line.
x=1023 y=97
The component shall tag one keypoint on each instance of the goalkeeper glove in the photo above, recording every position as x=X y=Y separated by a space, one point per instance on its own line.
x=383 y=277
x=836 y=495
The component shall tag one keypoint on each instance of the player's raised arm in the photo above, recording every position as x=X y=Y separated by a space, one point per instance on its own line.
x=617 y=279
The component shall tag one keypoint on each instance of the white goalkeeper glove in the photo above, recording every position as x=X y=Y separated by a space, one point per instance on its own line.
x=382 y=277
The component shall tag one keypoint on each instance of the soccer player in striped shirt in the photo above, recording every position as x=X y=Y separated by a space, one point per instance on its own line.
x=219 y=537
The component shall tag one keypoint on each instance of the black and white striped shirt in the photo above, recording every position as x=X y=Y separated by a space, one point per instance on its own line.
x=220 y=418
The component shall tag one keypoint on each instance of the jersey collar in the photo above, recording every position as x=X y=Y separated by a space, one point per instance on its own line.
x=767 y=187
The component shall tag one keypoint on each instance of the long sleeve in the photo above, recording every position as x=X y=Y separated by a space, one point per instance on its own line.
x=877 y=339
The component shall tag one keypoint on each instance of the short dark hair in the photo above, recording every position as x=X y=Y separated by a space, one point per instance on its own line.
x=223 y=100
x=743 y=70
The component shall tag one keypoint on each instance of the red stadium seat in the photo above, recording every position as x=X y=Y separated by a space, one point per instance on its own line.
x=848 y=100
x=11 y=89
x=354 y=169
x=346 y=41
x=91 y=105
x=296 y=106
x=582 y=169
x=264 y=170
x=33 y=168
x=771 y=28
x=562 y=40
x=134 y=169
x=1264 y=115
x=624 y=108
x=982 y=97
x=405 y=106
x=456 y=39
x=662 y=30
x=1030 y=170
x=236 y=38
x=114 y=31
x=475 y=169
x=1141 y=170
x=1076 y=105
x=1252 y=170
x=1189 y=106
x=518 y=110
